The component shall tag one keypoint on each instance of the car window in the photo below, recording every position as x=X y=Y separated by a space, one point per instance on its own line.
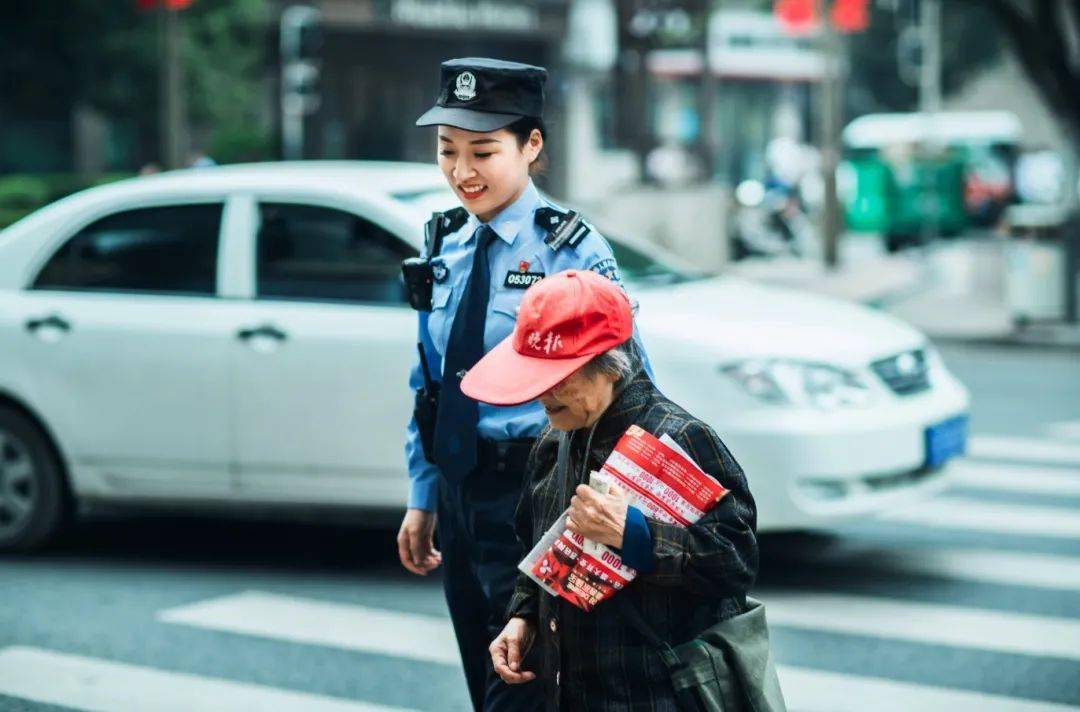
x=311 y=252
x=427 y=200
x=168 y=250
x=639 y=267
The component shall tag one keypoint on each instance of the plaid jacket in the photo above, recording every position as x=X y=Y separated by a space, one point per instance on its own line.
x=594 y=661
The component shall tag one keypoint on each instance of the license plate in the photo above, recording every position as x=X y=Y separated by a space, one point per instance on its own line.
x=946 y=440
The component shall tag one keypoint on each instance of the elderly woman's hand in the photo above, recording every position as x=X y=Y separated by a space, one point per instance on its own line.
x=510 y=648
x=600 y=517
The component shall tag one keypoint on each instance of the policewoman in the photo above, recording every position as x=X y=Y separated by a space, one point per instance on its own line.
x=466 y=460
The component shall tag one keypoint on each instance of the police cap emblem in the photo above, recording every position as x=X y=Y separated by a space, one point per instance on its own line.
x=484 y=94
x=465 y=86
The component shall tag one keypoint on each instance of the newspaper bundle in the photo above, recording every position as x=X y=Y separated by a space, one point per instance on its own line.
x=661 y=480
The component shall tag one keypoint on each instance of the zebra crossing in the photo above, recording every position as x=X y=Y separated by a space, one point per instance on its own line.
x=1031 y=653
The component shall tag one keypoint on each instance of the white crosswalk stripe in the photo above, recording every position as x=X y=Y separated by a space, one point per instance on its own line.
x=956 y=512
x=298 y=619
x=1016 y=478
x=998 y=464
x=1023 y=449
x=430 y=639
x=930 y=623
x=91 y=684
x=302 y=620
x=1033 y=570
x=818 y=691
x=1065 y=429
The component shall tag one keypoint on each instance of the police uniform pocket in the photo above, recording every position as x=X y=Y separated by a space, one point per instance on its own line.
x=441 y=317
x=440 y=295
x=506 y=302
x=502 y=314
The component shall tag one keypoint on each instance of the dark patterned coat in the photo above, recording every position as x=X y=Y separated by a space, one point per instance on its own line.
x=594 y=661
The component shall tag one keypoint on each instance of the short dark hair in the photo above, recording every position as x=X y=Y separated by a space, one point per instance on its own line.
x=522 y=130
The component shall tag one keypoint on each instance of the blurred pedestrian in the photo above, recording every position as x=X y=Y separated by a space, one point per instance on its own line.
x=466 y=462
x=199 y=159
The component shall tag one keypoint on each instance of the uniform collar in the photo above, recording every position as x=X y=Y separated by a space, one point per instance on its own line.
x=508 y=223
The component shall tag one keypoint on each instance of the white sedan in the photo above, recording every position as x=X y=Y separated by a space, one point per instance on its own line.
x=239 y=336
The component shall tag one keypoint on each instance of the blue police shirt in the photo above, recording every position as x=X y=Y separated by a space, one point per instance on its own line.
x=520 y=248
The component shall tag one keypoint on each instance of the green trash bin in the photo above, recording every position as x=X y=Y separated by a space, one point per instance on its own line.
x=930 y=190
x=869 y=195
x=929 y=158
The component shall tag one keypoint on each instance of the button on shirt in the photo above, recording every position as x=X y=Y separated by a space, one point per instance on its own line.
x=520 y=248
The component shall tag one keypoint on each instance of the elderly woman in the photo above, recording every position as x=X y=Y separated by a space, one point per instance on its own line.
x=571 y=348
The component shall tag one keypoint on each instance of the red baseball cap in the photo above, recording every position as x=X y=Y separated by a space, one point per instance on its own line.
x=563 y=322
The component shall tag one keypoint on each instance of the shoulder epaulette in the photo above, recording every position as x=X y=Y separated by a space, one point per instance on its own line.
x=441 y=225
x=563 y=228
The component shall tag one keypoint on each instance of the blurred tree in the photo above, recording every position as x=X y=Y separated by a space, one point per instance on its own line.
x=877 y=80
x=1045 y=35
x=225 y=50
x=60 y=54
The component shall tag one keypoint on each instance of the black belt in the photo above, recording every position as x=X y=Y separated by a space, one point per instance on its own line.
x=504 y=455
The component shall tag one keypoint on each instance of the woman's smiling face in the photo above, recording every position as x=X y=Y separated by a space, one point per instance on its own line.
x=487 y=171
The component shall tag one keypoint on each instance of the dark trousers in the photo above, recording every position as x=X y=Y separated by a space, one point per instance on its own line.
x=480 y=557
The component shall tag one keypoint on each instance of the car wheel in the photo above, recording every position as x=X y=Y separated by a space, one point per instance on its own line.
x=33 y=496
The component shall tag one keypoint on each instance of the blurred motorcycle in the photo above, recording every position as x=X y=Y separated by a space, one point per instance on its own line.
x=771 y=221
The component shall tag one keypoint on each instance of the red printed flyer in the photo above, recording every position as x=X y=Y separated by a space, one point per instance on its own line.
x=662 y=481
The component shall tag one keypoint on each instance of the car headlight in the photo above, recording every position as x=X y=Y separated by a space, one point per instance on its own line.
x=798 y=383
x=934 y=361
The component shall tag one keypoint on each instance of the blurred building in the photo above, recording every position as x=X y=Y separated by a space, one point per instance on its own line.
x=698 y=95
x=380 y=59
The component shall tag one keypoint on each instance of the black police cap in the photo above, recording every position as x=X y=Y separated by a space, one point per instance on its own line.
x=480 y=94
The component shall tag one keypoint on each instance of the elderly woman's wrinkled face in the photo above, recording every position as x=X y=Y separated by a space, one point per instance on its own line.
x=579 y=400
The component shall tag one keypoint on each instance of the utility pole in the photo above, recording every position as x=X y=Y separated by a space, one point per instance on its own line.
x=172 y=116
x=707 y=97
x=829 y=125
x=301 y=39
x=930 y=71
x=632 y=82
x=930 y=105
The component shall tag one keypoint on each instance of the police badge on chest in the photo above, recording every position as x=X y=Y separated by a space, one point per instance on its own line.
x=522 y=278
x=439 y=272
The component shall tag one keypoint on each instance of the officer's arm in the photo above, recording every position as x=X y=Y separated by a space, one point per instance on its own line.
x=423 y=476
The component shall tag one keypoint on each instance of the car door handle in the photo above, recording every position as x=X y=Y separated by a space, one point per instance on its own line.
x=52 y=321
x=268 y=330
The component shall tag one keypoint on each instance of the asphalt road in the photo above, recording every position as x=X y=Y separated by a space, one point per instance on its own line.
x=970 y=602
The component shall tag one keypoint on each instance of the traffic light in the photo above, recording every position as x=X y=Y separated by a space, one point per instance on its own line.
x=801 y=16
x=301 y=42
x=850 y=15
x=797 y=16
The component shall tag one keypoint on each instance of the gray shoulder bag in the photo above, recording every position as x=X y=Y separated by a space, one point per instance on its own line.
x=726 y=668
